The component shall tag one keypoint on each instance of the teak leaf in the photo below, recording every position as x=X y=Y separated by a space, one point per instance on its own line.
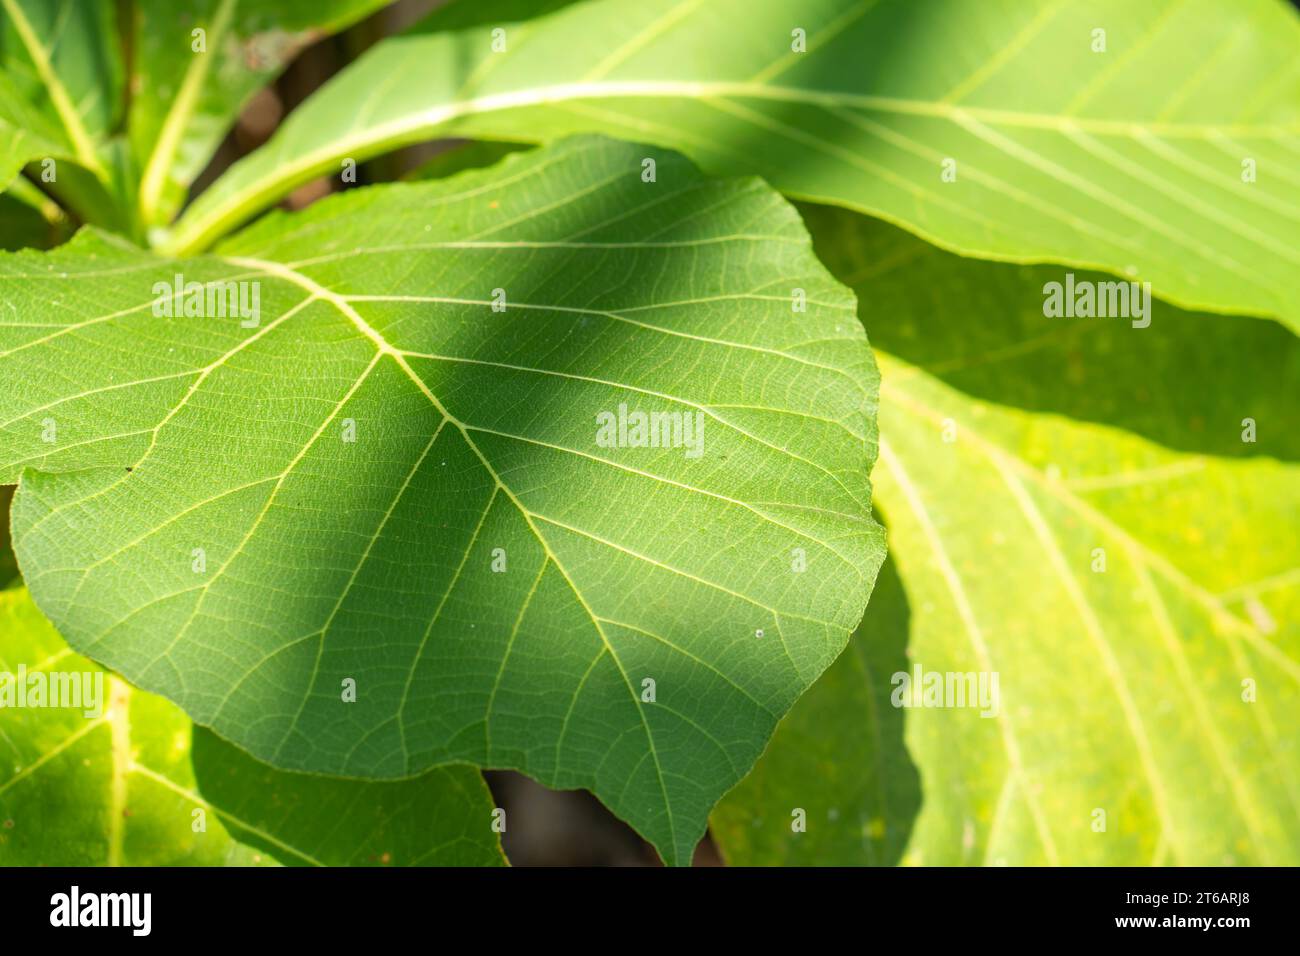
x=1138 y=604
x=114 y=785
x=420 y=479
x=1095 y=134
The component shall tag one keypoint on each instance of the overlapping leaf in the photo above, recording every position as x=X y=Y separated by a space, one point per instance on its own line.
x=1138 y=603
x=115 y=785
x=1130 y=158
x=389 y=482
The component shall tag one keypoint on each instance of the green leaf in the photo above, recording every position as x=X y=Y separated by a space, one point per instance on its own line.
x=476 y=448
x=117 y=787
x=31 y=220
x=61 y=79
x=60 y=95
x=459 y=14
x=110 y=789
x=1121 y=690
x=65 y=93
x=187 y=100
x=443 y=817
x=473 y=154
x=1129 y=160
x=837 y=764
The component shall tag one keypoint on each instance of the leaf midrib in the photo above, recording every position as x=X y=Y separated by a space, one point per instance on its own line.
x=384 y=348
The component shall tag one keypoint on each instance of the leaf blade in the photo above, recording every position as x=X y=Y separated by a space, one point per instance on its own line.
x=619 y=562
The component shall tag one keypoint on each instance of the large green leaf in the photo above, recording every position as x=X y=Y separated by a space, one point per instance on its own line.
x=1121 y=689
x=117 y=787
x=1130 y=160
x=476 y=448
x=187 y=100
x=61 y=91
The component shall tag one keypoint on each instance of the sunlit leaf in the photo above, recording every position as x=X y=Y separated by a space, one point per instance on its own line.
x=398 y=476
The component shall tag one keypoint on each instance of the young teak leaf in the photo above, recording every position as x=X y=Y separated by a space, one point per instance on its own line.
x=558 y=466
x=94 y=773
x=1155 y=140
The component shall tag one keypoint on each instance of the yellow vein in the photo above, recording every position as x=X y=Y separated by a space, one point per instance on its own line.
x=1157 y=561
x=437 y=613
x=119 y=722
x=642 y=37
x=189 y=794
x=347 y=589
x=172 y=412
x=1232 y=774
x=668 y=481
x=53 y=752
x=616 y=316
x=696 y=658
x=1221 y=178
x=383 y=348
x=1195 y=204
x=821 y=37
x=965 y=611
x=1114 y=64
x=1092 y=627
x=1105 y=197
x=270 y=501
x=992 y=64
x=210 y=219
x=1285 y=579
x=505 y=657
